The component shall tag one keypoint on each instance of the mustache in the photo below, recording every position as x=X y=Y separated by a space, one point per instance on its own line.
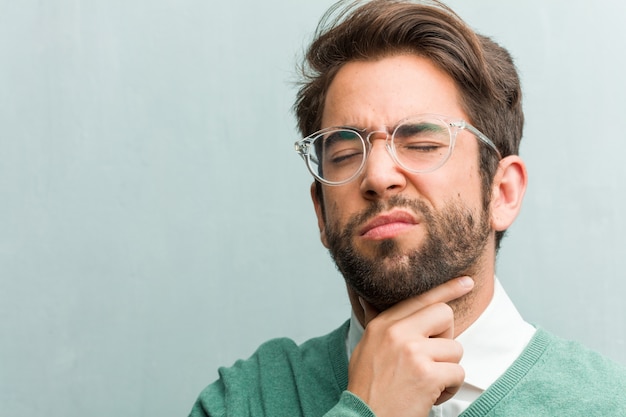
x=397 y=201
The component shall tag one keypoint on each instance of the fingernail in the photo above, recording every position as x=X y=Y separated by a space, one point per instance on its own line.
x=466 y=282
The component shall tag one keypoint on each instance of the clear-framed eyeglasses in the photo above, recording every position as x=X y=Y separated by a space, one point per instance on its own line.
x=418 y=144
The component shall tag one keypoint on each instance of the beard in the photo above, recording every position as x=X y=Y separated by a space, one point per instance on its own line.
x=454 y=243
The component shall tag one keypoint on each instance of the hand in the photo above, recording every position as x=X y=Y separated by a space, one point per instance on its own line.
x=408 y=360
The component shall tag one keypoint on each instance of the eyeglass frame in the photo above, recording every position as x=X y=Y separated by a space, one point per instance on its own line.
x=303 y=146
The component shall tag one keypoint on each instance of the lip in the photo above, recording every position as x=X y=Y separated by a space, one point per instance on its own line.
x=389 y=225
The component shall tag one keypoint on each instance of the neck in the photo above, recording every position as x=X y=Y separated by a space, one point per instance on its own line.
x=466 y=309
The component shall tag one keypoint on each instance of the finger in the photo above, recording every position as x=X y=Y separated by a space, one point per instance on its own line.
x=433 y=321
x=454 y=378
x=444 y=293
x=442 y=350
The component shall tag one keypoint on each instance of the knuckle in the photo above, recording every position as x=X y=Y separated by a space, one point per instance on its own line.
x=459 y=348
x=423 y=369
x=375 y=326
x=412 y=351
x=395 y=334
x=454 y=351
x=461 y=375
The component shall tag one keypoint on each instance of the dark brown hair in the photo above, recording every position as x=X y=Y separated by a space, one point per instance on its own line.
x=483 y=71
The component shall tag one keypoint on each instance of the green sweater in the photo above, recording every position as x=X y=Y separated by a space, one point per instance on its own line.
x=552 y=377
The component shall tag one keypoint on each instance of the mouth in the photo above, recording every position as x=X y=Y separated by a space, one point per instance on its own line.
x=388 y=226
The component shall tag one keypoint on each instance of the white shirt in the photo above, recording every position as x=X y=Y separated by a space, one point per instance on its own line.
x=490 y=345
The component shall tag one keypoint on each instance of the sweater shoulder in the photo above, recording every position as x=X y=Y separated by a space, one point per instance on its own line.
x=284 y=356
x=566 y=357
x=281 y=378
x=554 y=376
x=312 y=350
x=572 y=377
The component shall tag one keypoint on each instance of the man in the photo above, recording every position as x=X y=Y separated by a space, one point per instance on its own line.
x=412 y=125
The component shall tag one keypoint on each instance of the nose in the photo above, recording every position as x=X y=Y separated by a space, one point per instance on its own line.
x=382 y=177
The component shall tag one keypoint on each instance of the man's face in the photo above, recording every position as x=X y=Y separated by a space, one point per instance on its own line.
x=395 y=234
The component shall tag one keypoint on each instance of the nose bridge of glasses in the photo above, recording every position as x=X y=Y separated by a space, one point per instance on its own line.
x=377 y=134
x=383 y=135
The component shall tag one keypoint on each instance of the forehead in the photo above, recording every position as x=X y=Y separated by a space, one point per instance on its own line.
x=376 y=93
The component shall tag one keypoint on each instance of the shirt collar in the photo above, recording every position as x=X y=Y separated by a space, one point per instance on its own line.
x=493 y=342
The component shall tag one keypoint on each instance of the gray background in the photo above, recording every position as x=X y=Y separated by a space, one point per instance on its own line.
x=155 y=222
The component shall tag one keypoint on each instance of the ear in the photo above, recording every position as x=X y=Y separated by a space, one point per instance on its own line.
x=319 y=212
x=507 y=193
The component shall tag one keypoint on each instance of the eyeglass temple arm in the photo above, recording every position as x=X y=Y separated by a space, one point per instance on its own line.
x=479 y=135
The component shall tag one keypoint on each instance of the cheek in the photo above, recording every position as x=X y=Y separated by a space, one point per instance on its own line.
x=469 y=184
x=337 y=207
x=462 y=184
x=333 y=213
x=474 y=184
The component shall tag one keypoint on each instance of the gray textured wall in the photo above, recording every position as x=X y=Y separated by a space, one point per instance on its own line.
x=155 y=222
